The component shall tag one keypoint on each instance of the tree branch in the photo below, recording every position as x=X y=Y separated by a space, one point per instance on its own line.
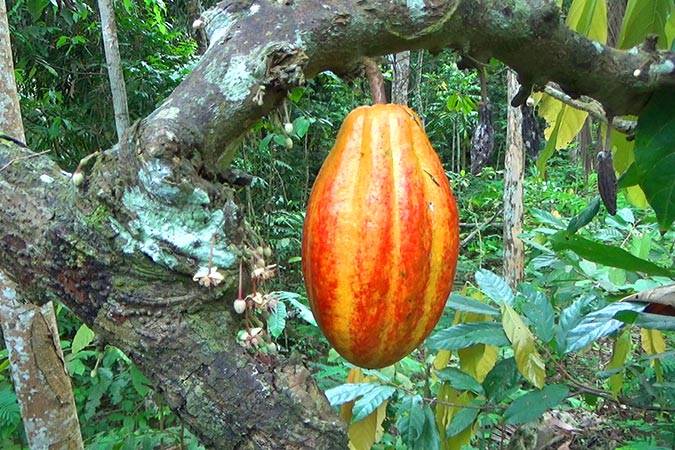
x=593 y=107
x=260 y=49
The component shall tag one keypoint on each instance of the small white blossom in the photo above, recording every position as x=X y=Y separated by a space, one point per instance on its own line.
x=208 y=277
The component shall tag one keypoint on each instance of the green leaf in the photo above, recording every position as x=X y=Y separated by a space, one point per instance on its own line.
x=539 y=312
x=589 y=18
x=620 y=351
x=36 y=7
x=494 y=287
x=570 y=318
x=643 y=18
x=467 y=304
x=139 y=381
x=655 y=155
x=502 y=378
x=598 y=324
x=532 y=405
x=429 y=438
x=82 y=338
x=301 y=125
x=411 y=419
x=547 y=218
x=293 y=299
x=460 y=380
x=348 y=392
x=585 y=216
x=461 y=421
x=370 y=401
x=467 y=334
x=607 y=255
x=61 y=41
x=564 y=124
x=548 y=150
x=276 y=322
x=296 y=94
x=530 y=364
x=647 y=320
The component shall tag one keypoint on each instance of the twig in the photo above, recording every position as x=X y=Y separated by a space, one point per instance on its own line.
x=606 y=395
x=593 y=107
x=479 y=228
x=19 y=158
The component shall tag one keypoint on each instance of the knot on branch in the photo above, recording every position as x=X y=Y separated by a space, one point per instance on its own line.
x=285 y=67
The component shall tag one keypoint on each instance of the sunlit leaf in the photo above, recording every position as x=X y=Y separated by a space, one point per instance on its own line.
x=589 y=18
x=467 y=304
x=620 y=351
x=276 y=322
x=643 y=18
x=467 y=334
x=370 y=401
x=529 y=362
x=494 y=287
x=539 y=312
x=477 y=360
x=82 y=339
x=597 y=324
x=364 y=433
x=348 y=392
x=653 y=343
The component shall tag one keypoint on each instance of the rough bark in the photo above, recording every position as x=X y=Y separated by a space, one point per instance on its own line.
x=615 y=12
x=399 y=87
x=10 y=113
x=120 y=249
x=514 y=171
x=31 y=337
x=41 y=382
x=114 y=63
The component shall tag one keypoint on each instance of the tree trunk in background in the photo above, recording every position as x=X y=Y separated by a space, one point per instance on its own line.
x=41 y=382
x=418 y=84
x=615 y=12
x=585 y=143
x=10 y=113
x=114 y=62
x=514 y=253
x=399 y=88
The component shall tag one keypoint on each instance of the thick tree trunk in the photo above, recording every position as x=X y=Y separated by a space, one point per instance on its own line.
x=114 y=63
x=399 y=87
x=120 y=249
x=10 y=113
x=41 y=382
x=514 y=170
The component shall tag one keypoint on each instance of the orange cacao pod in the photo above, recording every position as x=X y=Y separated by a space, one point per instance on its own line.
x=380 y=238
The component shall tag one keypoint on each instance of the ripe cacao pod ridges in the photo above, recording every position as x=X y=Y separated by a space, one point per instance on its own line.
x=380 y=238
